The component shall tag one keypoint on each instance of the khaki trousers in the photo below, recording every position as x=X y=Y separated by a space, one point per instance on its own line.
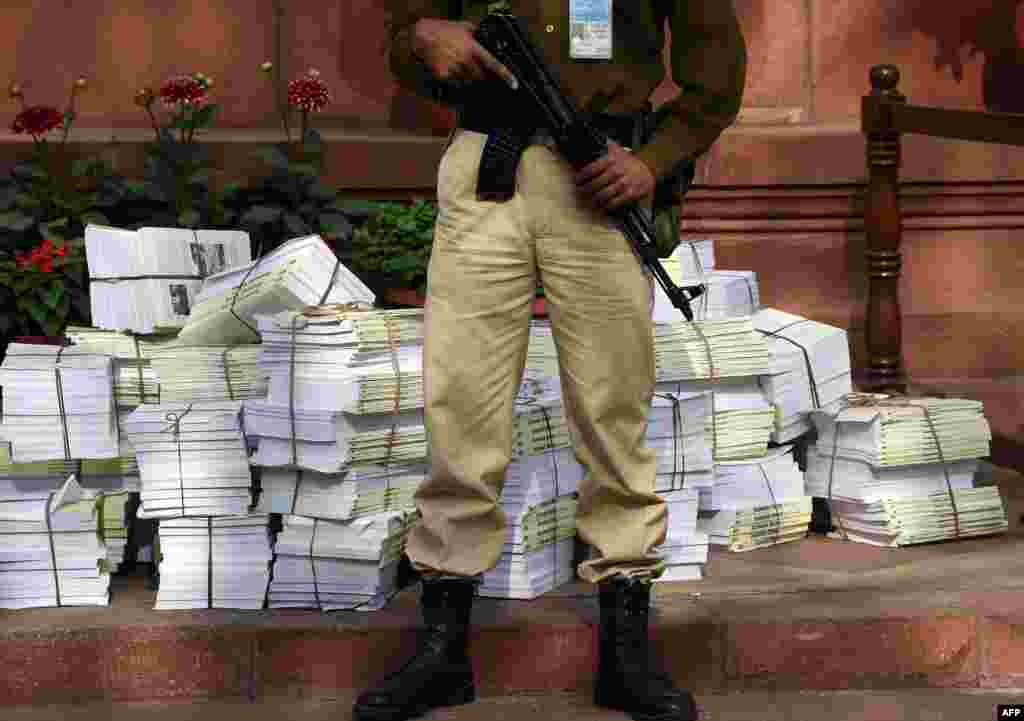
x=487 y=258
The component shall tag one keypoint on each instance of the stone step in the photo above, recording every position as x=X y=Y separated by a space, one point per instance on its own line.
x=818 y=614
x=915 y=705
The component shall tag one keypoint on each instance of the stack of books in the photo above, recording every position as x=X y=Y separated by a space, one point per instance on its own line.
x=58 y=404
x=113 y=522
x=756 y=503
x=810 y=370
x=358 y=491
x=192 y=459
x=50 y=548
x=214 y=562
x=900 y=471
x=301 y=272
x=338 y=565
x=148 y=279
x=208 y=373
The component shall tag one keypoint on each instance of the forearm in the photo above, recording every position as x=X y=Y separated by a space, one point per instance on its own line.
x=709 y=61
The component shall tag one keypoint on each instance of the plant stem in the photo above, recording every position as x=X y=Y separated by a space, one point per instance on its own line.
x=280 y=96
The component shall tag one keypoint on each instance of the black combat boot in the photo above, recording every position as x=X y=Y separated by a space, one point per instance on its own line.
x=627 y=678
x=439 y=674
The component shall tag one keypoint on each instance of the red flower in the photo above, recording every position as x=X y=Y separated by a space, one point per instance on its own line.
x=46 y=265
x=308 y=92
x=37 y=120
x=183 y=89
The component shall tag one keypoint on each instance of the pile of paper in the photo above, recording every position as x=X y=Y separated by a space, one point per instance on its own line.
x=727 y=294
x=539 y=503
x=135 y=381
x=108 y=475
x=741 y=420
x=711 y=349
x=209 y=373
x=899 y=471
x=332 y=441
x=680 y=432
x=192 y=459
x=685 y=549
x=338 y=565
x=113 y=523
x=810 y=369
x=359 y=491
x=854 y=479
x=58 y=402
x=301 y=272
x=907 y=520
x=210 y=562
x=747 y=529
x=50 y=549
x=904 y=431
x=148 y=279
x=756 y=503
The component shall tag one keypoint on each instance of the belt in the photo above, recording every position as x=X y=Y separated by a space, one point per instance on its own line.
x=506 y=142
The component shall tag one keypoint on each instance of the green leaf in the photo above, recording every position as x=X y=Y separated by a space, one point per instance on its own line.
x=336 y=224
x=15 y=221
x=205 y=116
x=260 y=214
x=54 y=228
x=38 y=313
x=273 y=156
x=355 y=208
x=189 y=218
x=53 y=296
x=26 y=201
x=295 y=225
x=94 y=217
x=304 y=169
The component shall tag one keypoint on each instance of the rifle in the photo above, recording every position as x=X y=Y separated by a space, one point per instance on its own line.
x=578 y=141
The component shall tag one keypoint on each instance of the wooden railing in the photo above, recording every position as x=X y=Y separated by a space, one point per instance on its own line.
x=885 y=116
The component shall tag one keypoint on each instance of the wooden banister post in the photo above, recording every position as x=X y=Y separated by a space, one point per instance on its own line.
x=882 y=225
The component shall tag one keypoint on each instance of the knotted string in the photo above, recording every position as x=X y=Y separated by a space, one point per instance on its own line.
x=175 y=421
x=862 y=400
x=227 y=373
x=238 y=291
x=775 y=503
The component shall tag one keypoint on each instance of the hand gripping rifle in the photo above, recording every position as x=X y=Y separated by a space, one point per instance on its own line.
x=577 y=140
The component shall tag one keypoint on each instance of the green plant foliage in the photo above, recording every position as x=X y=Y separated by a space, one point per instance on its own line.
x=393 y=246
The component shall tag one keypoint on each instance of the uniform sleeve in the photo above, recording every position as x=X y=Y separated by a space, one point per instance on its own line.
x=709 y=64
x=408 y=69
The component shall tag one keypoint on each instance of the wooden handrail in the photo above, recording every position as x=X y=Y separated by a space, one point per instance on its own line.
x=885 y=115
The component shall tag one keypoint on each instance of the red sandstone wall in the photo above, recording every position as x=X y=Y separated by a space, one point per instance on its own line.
x=810 y=54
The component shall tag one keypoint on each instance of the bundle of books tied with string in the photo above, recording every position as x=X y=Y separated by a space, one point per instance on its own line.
x=341 y=443
x=149 y=279
x=727 y=293
x=538 y=501
x=214 y=562
x=810 y=370
x=51 y=550
x=899 y=471
x=338 y=565
x=193 y=459
x=680 y=433
x=301 y=272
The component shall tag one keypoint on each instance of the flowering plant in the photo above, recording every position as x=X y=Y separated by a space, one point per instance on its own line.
x=291 y=200
x=44 y=289
x=51 y=186
x=177 y=175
